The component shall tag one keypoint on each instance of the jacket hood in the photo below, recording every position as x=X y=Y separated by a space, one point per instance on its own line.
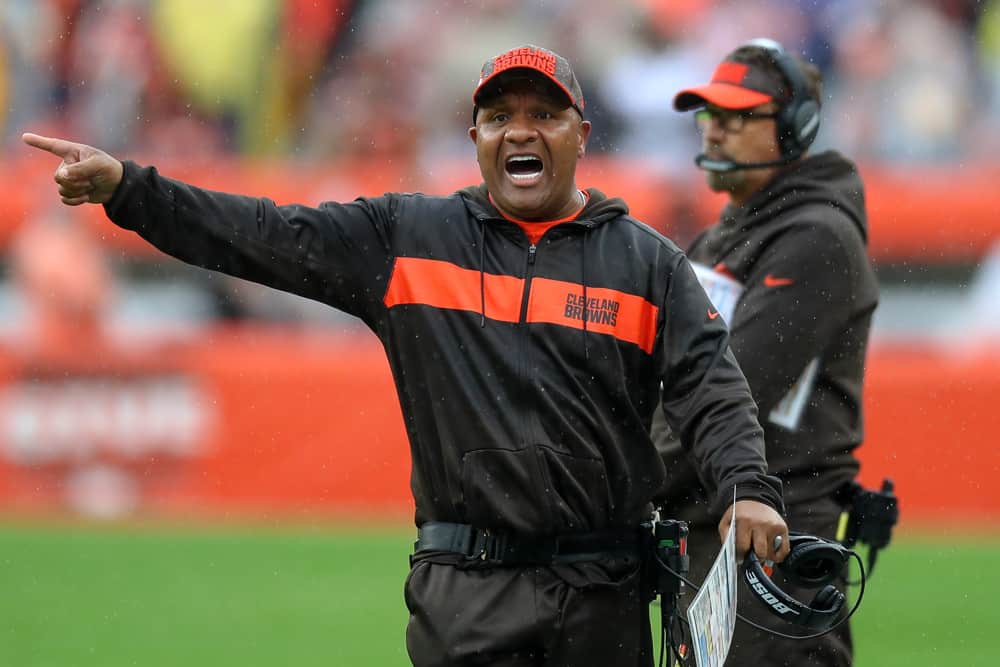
x=599 y=209
x=826 y=178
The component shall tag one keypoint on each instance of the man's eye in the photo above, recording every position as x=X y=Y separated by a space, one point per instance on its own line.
x=500 y=117
x=544 y=115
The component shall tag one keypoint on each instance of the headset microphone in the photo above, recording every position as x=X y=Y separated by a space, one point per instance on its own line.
x=725 y=166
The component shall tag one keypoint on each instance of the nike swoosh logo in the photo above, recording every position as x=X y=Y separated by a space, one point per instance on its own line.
x=772 y=281
x=712 y=315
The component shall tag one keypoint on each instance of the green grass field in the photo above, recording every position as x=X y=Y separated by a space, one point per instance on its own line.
x=219 y=596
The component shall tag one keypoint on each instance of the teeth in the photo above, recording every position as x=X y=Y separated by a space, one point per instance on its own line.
x=527 y=175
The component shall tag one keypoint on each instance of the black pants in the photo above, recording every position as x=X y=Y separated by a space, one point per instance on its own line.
x=761 y=649
x=553 y=616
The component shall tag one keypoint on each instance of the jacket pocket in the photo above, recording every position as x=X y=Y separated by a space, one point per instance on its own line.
x=535 y=491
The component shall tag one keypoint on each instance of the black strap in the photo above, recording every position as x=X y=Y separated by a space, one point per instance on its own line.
x=509 y=549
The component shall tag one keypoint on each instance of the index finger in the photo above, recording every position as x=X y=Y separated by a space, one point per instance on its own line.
x=58 y=147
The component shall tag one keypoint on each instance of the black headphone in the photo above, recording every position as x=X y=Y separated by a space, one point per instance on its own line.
x=796 y=122
x=812 y=562
x=798 y=118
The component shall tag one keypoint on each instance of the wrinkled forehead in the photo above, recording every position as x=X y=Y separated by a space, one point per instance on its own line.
x=517 y=82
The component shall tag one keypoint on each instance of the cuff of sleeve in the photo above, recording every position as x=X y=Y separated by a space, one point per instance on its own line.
x=114 y=206
x=762 y=488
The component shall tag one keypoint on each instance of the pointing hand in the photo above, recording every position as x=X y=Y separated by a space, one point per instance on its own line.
x=86 y=174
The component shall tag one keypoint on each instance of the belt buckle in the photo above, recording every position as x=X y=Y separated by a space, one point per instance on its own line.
x=488 y=546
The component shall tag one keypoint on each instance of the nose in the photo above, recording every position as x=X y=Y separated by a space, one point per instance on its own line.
x=521 y=130
x=712 y=131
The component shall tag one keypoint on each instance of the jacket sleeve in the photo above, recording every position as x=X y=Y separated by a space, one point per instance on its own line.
x=797 y=298
x=337 y=253
x=706 y=400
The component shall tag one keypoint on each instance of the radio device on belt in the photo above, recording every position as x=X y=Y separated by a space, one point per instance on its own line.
x=665 y=562
x=869 y=518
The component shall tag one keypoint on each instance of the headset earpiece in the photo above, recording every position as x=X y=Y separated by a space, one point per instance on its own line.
x=812 y=562
x=806 y=123
x=798 y=119
x=829 y=599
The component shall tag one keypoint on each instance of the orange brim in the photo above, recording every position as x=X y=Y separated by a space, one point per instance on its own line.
x=723 y=95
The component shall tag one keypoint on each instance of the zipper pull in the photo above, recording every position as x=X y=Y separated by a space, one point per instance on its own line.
x=531 y=253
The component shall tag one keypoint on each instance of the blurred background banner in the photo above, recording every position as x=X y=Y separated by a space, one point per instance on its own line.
x=132 y=385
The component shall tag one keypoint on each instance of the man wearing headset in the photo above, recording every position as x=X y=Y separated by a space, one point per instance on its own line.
x=786 y=267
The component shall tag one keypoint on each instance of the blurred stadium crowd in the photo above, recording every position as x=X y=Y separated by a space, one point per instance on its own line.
x=908 y=82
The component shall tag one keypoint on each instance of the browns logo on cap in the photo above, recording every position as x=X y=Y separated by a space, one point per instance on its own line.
x=554 y=67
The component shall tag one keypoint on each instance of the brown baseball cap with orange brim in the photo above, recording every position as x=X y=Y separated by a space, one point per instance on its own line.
x=734 y=85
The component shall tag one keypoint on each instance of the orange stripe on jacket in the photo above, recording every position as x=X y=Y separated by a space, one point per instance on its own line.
x=432 y=282
x=440 y=284
x=627 y=317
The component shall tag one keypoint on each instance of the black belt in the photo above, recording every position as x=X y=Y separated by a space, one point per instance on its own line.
x=510 y=549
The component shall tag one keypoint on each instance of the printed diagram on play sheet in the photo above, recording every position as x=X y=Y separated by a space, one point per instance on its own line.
x=712 y=614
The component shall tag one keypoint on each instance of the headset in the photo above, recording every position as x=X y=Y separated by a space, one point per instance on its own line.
x=813 y=562
x=797 y=120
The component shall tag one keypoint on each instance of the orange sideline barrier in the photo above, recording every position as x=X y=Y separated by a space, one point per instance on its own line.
x=256 y=422
x=271 y=421
x=924 y=214
x=932 y=421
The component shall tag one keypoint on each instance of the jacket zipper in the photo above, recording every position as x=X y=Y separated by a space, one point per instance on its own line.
x=528 y=275
x=529 y=435
x=522 y=325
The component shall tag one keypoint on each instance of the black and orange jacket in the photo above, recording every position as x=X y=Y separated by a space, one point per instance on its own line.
x=527 y=374
x=791 y=273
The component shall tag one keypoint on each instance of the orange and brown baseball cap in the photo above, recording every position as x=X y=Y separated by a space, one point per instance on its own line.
x=734 y=85
x=529 y=58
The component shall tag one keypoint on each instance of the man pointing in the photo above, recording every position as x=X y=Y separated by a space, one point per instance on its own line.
x=527 y=360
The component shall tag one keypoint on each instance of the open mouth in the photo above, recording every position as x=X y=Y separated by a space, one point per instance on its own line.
x=523 y=167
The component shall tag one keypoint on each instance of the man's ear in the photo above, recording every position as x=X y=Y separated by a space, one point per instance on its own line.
x=584 y=134
x=473 y=134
